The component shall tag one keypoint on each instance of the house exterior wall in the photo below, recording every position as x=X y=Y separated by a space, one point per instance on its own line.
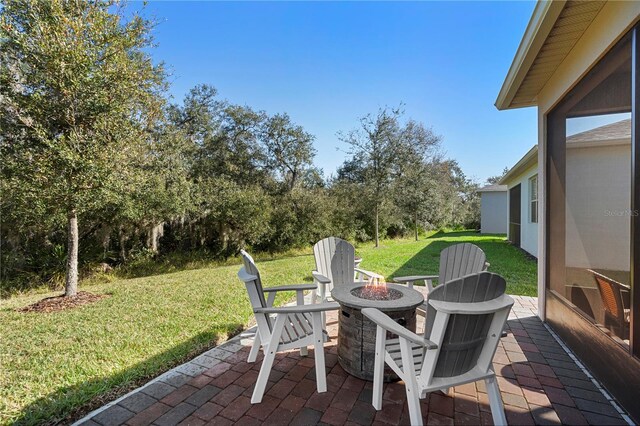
x=528 y=229
x=613 y=21
x=493 y=212
x=595 y=349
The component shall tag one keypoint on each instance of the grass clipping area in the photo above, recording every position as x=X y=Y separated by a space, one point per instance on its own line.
x=56 y=366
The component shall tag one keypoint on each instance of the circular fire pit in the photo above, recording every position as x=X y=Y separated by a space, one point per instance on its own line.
x=357 y=333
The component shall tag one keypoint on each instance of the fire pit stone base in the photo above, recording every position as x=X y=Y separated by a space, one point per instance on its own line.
x=357 y=333
x=357 y=340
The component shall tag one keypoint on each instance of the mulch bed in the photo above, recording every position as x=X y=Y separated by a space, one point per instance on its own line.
x=60 y=303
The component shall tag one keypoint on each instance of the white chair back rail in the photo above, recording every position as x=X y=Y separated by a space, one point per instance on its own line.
x=258 y=300
x=335 y=259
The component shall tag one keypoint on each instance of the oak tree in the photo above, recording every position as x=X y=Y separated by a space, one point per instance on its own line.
x=78 y=87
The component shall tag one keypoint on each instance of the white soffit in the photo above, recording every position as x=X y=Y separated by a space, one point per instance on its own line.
x=554 y=29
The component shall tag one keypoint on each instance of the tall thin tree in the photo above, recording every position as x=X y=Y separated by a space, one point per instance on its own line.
x=79 y=87
x=375 y=144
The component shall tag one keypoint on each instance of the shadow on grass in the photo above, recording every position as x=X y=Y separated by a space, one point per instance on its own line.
x=178 y=263
x=515 y=265
x=451 y=234
x=71 y=403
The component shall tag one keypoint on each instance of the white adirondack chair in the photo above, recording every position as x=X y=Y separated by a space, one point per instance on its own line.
x=456 y=261
x=283 y=328
x=463 y=325
x=335 y=265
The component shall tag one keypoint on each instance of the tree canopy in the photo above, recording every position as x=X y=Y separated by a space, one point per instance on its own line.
x=99 y=165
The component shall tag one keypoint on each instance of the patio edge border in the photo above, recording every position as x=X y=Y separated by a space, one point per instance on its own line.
x=176 y=370
x=587 y=373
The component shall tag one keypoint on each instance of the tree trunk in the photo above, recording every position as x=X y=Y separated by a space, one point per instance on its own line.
x=71 y=284
x=415 y=222
x=106 y=240
x=224 y=236
x=153 y=238
x=377 y=235
x=123 y=240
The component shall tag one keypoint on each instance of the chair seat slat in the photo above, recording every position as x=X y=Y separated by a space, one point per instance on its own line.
x=393 y=349
x=305 y=322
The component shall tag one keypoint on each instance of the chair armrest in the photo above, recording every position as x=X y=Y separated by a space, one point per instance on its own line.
x=294 y=287
x=475 y=308
x=388 y=324
x=299 y=309
x=368 y=273
x=245 y=276
x=626 y=297
x=320 y=278
x=411 y=278
x=624 y=287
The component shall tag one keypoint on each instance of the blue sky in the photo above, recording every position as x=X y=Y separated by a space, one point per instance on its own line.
x=328 y=63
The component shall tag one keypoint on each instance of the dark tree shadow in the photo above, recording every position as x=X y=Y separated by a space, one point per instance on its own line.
x=513 y=264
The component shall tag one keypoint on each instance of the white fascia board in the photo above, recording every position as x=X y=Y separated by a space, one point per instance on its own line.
x=542 y=20
x=525 y=162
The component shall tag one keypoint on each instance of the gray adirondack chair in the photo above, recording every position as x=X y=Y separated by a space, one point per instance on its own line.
x=335 y=265
x=456 y=261
x=463 y=325
x=283 y=328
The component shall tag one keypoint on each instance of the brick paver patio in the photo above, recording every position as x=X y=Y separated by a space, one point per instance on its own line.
x=540 y=383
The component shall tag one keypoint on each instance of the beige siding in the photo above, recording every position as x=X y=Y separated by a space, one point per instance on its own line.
x=598 y=191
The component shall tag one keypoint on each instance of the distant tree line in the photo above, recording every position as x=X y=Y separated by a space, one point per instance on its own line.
x=98 y=166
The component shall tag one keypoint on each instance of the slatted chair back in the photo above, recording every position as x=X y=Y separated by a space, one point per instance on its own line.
x=611 y=294
x=256 y=293
x=459 y=260
x=335 y=260
x=251 y=269
x=465 y=335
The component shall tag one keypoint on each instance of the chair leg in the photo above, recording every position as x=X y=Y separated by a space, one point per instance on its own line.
x=255 y=348
x=318 y=350
x=413 y=400
x=411 y=383
x=267 y=363
x=378 y=368
x=495 y=401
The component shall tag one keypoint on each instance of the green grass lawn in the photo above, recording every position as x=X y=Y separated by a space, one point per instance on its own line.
x=56 y=366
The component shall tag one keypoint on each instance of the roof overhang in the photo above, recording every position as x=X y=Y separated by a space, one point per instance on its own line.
x=553 y=30
x=493 y=188
x=529 y=160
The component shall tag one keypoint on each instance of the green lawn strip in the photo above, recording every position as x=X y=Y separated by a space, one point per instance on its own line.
x=405 y=257
x=57 y=365
x=54 y=363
